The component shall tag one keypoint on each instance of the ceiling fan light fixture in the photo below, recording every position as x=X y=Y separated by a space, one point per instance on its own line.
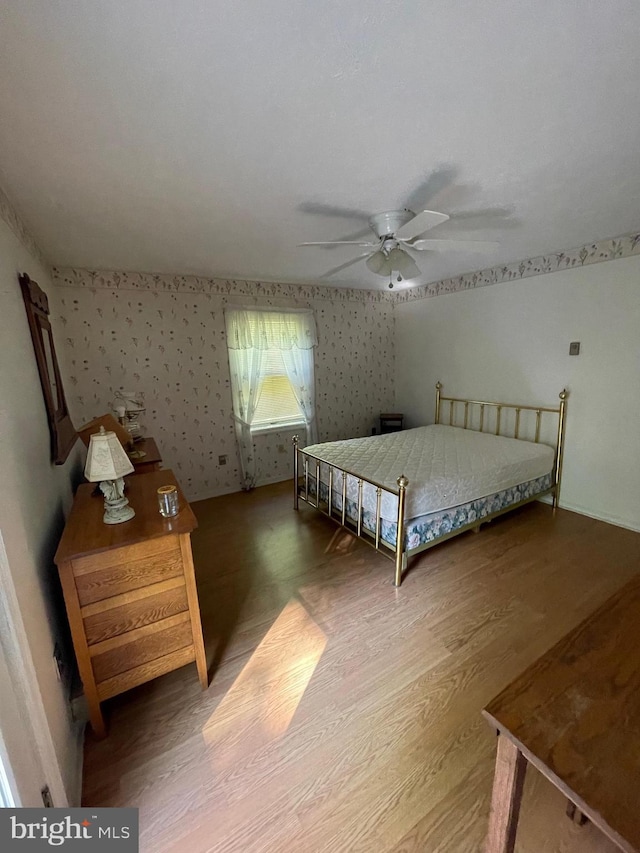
x=403 y=263
x=397 y=259
x=378 y=263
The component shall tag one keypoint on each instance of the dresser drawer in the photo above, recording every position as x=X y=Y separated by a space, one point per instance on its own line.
x=127 y=569
x=145 y=672
x=145 y=645
x=127 y=615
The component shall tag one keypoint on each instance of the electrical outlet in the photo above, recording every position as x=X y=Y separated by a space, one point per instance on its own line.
x=574 y=348
x=222 y=459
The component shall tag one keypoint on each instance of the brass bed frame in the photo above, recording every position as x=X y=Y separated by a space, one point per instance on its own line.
x=400 y=554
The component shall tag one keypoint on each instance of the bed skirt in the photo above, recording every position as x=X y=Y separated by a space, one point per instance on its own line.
x=427 y=528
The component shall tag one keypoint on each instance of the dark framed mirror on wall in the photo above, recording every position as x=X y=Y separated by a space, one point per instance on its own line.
x=63 y=434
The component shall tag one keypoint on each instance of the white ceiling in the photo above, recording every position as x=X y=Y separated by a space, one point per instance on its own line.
x=202 y=137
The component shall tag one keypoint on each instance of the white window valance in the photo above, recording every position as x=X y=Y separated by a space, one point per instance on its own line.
x=262 y=329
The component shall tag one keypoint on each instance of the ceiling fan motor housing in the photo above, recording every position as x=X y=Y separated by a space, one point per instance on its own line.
x=386 y=224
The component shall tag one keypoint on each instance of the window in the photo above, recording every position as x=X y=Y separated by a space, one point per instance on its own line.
x=272 y=375
x=277 y=405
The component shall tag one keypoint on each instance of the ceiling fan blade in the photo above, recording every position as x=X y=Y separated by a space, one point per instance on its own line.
x=340 y=243
x=343 y=266
x=482 y=218
x=420 y=223
x=455 y=245
x=330 y=210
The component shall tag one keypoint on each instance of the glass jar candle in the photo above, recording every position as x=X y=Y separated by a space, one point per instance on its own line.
x=168 y=501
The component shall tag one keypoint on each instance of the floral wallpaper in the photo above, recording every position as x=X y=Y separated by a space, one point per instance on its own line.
x=594 y=253
x=165 y=336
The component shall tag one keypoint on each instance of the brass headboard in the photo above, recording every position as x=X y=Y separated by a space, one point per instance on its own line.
x=518 y=408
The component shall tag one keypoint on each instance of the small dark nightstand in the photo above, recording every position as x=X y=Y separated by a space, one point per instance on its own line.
x=393 y=422
x=151 y=461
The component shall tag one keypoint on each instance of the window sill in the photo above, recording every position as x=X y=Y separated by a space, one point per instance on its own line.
x=288 y=427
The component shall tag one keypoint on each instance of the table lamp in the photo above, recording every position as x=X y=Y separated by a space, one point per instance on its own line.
x=129 y=406
x=106 y=464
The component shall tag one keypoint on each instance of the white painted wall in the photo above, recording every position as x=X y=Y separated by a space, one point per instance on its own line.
x=33 y=499
x=511 y=342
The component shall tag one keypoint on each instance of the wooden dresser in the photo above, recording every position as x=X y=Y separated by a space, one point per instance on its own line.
x=130 y=592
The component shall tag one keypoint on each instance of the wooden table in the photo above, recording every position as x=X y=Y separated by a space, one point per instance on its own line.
x=130 y=592
x=575 y=715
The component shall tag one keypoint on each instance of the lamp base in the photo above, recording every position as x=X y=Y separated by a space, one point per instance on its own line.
x=116 y=506
x=117 y=514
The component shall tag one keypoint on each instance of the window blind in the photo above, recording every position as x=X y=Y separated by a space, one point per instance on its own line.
x=276 y=401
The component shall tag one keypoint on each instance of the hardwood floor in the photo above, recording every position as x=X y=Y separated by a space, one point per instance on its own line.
x=344 y=714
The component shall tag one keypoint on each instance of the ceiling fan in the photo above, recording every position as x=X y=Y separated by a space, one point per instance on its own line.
x=396 y=233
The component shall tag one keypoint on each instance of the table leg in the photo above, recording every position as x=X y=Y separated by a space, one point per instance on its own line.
x=508 y=782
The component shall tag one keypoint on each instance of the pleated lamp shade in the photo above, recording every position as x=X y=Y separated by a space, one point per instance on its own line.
x=106 y=459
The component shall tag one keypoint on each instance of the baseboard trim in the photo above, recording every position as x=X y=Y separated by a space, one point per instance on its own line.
x=609 y=519
x=192 y=497
x=278 y=478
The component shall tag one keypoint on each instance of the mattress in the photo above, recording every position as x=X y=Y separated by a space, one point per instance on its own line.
x=446 y=467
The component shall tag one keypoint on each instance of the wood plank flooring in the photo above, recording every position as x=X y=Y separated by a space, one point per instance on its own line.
x=344 y=714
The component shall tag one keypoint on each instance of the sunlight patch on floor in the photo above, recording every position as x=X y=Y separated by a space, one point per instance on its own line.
x=342 y=542
x=260 y=704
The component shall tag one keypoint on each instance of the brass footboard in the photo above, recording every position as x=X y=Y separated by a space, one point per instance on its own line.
x=302 y=491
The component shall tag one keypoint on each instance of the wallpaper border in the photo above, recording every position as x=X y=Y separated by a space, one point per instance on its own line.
x=113 y=280
x=10 y=215
x=591 y=253
x=598 y=252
